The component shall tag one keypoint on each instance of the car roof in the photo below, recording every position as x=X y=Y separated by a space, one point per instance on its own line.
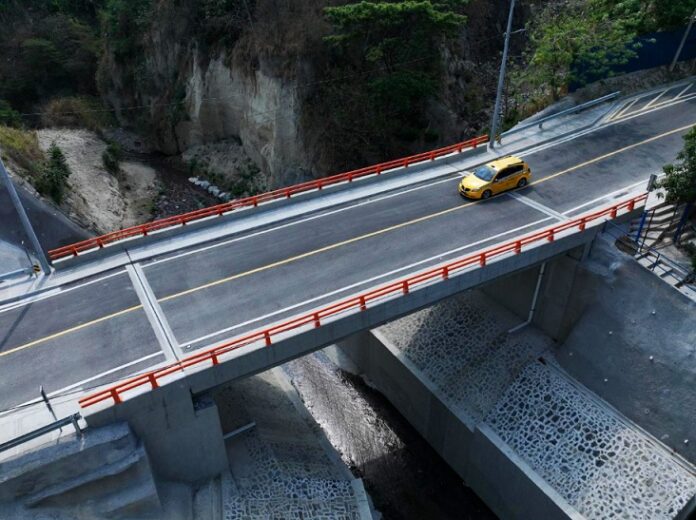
x=504 y=162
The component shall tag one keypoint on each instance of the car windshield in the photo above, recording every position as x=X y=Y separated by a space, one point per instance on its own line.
x=485 y=173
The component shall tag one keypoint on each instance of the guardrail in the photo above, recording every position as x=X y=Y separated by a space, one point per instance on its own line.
x=571 y=110
x=253 y=201
x=358 y=303
x=57 y=425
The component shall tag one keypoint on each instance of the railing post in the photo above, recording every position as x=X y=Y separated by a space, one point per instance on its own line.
x=552 y=235
x=115 y=396
x=445 y=273
x=581 y=226
x=363 y=303
x=404 y=286
x=482 y=260
x=214 y=358
x=76 y=425
x=317 y=323
x=153 y=380
x=267 y=337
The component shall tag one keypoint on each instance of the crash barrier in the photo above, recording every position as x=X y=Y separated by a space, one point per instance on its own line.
x=253 y=201
x=56 y=425
x=572 y=110
x=361 y=302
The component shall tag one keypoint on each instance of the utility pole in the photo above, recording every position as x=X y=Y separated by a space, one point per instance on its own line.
x=38 y=251
x=683 y=41
x=501 y=79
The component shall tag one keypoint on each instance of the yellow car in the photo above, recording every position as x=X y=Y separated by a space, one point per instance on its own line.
x=490 y=179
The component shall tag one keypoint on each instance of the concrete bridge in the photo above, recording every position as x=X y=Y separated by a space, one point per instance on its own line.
x=190 y=304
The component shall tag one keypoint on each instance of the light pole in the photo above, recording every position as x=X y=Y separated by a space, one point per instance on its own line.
x=38 y=251
x=683 y=41
x=501 y=79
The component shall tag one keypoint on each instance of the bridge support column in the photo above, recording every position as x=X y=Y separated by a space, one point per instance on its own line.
x=560 y=299
x=181 y=433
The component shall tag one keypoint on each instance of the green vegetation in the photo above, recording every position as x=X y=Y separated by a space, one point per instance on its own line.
x=573 y=39
x=54 y=176
x=124 y=22
x=76 y=112
x=9 y=116
x=21 y=148
x=389 y=54
x=112 y=157
x=679 y=182
x=50 y=48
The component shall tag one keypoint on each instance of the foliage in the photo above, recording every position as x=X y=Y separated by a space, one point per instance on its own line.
x=680 y=178
x=390 y=50
x=46 y=52
x=570 y=40
x=112 y=157
x=9 y=116
x=76 y=112
x=21 y=147
x=54 y=176
x=652 y=15
x=222 y=21
x=123 y=23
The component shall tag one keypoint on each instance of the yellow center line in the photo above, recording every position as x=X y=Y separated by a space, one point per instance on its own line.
x=611 y=154
x=70 y=330
x=333 y=246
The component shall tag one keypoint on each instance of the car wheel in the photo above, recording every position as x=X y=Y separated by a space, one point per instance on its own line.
x=486 y=194
x=522 y=182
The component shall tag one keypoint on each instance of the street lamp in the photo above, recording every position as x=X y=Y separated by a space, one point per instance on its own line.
x=501 y=79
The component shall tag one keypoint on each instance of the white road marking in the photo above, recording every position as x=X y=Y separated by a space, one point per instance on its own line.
x=56 y=292
x=624 y=109
x=158 y=321
x=654 y=100
x=301 y=221
x=369 y=280
x=611 y=195
x=682 y=92
x=83 y=382
x=538 y=206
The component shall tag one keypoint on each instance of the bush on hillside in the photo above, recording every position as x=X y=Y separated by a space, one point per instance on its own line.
x=76 y=112
x=54 y=177
x=112 y=157
x=21 y=149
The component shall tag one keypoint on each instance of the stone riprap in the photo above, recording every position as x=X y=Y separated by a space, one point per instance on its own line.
x=602 y=464
x=280 y=468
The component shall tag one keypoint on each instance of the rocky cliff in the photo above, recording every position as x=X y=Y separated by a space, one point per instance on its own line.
x=256 y=84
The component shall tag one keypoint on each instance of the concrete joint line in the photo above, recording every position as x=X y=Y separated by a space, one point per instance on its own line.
x=539 y=207
x=155 y=315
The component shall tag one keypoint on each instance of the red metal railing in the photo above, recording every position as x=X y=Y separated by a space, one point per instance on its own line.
x=360 y=302
x=282 y=193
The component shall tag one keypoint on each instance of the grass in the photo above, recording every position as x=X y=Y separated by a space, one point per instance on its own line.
x=76 y=112
x=21 y=148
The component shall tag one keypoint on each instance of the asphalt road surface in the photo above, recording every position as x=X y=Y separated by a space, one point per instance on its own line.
x=99 y=330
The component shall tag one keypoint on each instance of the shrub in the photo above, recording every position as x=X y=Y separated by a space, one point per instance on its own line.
x=9 y=116
x=21 y=147
x=680 y=178
x=76 y=112
x=55 y=175
x=112 y=157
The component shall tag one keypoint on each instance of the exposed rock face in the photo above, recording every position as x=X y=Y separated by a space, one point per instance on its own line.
x=196 y=94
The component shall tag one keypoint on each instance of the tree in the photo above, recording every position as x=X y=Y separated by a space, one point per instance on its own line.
x=680 y=178
x=571 y=40
x=55 y=174
x=389 y=53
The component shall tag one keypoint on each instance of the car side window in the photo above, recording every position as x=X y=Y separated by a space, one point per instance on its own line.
x=505 y=172
x=515 y=169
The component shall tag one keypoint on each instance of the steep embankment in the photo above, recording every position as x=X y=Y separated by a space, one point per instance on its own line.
x=266 y=79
